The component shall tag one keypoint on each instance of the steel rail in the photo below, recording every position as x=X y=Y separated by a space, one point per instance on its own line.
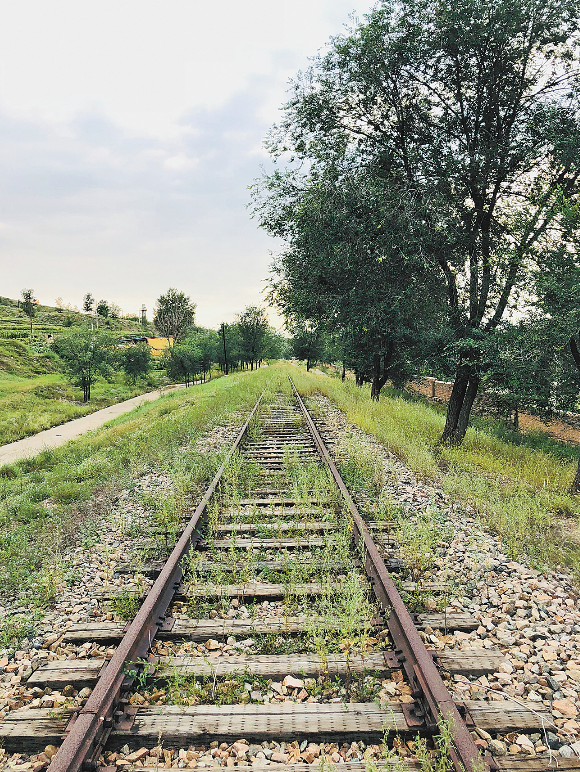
x=90 y=727
x=433 y=700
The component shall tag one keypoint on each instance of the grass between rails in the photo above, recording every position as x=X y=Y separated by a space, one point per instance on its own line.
x=53 y=499
x=518 y=491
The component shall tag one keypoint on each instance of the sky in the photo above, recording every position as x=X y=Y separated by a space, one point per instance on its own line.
x=130 y=131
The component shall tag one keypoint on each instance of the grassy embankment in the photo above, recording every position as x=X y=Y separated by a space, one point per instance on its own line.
x=34 y=396
x=55 y=498
x=518 y=488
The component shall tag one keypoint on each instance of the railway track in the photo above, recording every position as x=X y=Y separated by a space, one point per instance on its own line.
x=274 y=634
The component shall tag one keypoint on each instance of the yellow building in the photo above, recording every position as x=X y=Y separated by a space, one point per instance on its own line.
x=157 y=345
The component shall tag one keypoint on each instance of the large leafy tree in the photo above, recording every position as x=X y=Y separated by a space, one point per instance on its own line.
x=308 y=343
x=88 y=303
x=471 y=107
x=86 y=355
x=136 y=361
x=174 y=314
x=354 y=263
x=29 y=303
x=253 y=328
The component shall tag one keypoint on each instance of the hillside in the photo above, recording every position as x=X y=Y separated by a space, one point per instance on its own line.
x=34 y=395
x=50 y=320
x=18 y=359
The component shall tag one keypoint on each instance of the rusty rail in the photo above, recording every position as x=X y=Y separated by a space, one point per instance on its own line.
x=90 y=727
x=433 y=703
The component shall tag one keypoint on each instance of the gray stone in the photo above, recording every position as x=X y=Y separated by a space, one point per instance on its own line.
x=554 y=741
x=566 y=752
x=497 y=747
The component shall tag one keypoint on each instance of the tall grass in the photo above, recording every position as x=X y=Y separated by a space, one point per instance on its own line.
x=36 y=402
x=520 y=492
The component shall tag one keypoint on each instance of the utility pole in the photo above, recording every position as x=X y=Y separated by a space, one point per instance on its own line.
x=223 y=332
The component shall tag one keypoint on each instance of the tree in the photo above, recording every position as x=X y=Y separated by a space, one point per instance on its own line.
x=471 y=109
x=182 y=363
x=229 y=349
x=88 y=303
x=354 y=263
x=223 y=357
x=174 y=314
x=29 y=303
x=307 y=343
x=115 y=311
x=103 y=309
x=136 y=361
x=253 y=327
x=85 y=355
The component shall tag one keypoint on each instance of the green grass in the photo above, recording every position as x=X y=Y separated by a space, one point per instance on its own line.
x=518 y=490
x=36 y=402
x=41 y=499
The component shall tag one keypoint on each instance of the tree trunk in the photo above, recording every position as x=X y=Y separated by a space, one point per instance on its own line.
x=376 y=382
x=465 y=412
x=343 y=372
x=516 y=419
x=575 y=487
x=455 y=402
x=358 y=379
x=225 y=352
x=307 y=364
x=380 y=377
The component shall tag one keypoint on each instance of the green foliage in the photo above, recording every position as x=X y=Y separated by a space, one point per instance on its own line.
x=253 y=328
x=136 y=361
x=532 y=369
x=18 y=359
x=308 y=343
x=174 y=314
x=29 y=303
x=411 y=183
x=88 y=303
x=125 y=605
x=86 y=355
x=103 y=308
x=516 y=490
x=39 y=497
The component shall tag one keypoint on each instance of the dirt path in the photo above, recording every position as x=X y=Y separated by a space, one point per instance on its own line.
x=58 y=435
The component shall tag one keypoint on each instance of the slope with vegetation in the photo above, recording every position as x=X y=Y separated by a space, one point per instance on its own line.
x=43 y=379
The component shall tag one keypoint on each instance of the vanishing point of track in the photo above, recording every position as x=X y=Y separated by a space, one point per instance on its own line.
x=109 y=719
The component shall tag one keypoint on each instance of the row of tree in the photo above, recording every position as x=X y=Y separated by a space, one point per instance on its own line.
x=88 y=354
x=102 y=308
x=428 y=201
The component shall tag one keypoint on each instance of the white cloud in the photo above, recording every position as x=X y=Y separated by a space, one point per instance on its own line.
x=129 y=133
x=180 y=162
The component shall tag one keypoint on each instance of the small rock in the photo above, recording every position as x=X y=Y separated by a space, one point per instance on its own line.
x=497 y=747
x=292 y=683
x=565 y=707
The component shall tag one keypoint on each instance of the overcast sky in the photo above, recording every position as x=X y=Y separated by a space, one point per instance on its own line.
x=129 y=133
